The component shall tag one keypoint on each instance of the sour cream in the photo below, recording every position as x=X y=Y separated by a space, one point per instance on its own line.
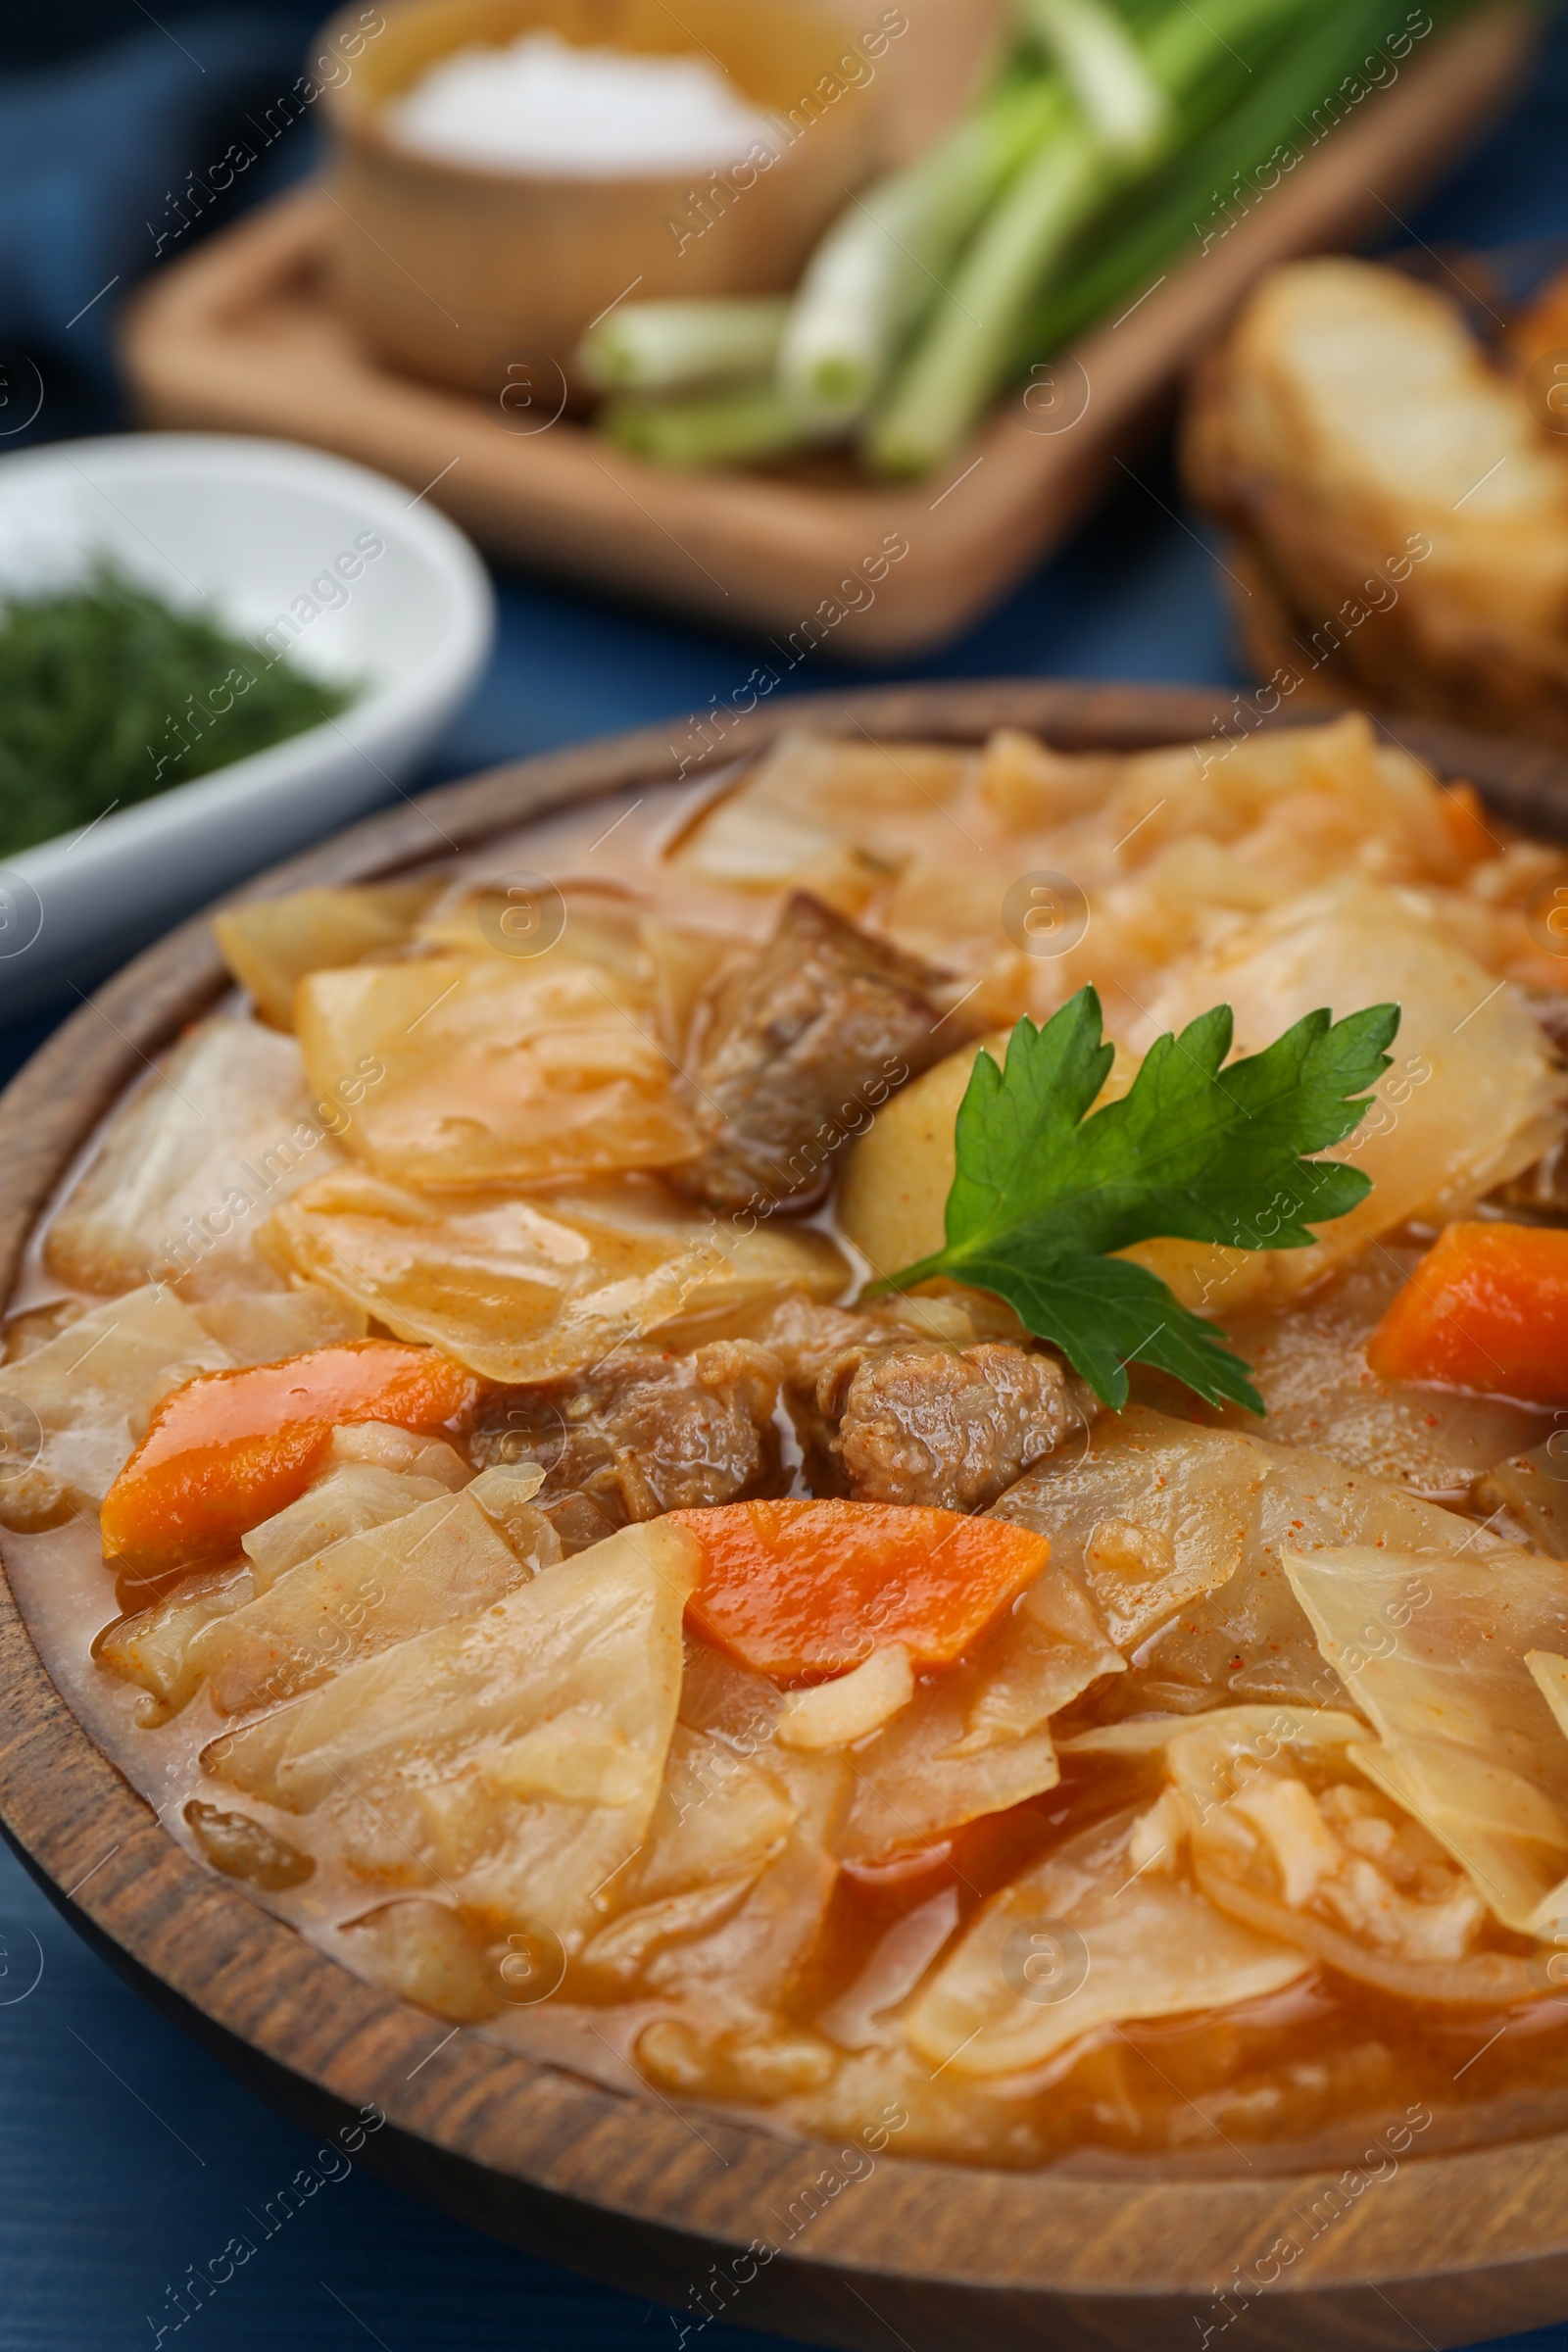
x=541 y=106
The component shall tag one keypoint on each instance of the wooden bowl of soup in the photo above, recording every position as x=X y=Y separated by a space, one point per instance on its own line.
x=1332 y=2119
x=485 y=274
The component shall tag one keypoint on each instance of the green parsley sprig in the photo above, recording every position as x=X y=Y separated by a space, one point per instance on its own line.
x=1197 y=1150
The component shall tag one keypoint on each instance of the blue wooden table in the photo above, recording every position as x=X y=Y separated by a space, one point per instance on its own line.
x=128 y=2156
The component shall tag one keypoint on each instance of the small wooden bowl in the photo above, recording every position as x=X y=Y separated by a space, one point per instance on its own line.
x=1447 y=2249
x=486 y=279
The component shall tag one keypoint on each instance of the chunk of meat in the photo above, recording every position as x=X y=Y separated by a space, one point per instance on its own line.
x=647 y=1434
x=949 y=1426
x=806 y=1043
x=919 y=1401
x=805 y=1337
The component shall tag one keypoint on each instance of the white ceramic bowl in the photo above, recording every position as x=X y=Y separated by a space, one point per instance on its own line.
x=281 y=540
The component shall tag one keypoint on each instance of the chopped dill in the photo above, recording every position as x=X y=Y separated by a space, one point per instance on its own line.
x=108 y=696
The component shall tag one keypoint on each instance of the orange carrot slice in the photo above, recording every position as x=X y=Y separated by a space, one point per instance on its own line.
x=228 y=1448
x=1487 y=1309
x=798 y=1589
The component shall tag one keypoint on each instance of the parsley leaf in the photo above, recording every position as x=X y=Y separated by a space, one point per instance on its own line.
x=1197 y=1150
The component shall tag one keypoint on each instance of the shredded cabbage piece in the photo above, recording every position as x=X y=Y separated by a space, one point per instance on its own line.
x=1435 y=1650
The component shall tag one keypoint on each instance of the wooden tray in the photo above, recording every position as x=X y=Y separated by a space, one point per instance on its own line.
x=933 y=2257
x=239 y=337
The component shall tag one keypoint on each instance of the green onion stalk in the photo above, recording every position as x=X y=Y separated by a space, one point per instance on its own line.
x=1182 y=207
x=966 y=348
x=743 y=425
x=1060 y=196
x=885 y=258
x=675 y=346
x=1101 y=64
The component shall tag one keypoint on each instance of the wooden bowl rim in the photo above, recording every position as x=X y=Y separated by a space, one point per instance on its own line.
x=245 y=1976
x=357 y=119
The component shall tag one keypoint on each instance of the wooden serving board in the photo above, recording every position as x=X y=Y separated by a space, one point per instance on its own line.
x=239 y=337
x=1445 y=2250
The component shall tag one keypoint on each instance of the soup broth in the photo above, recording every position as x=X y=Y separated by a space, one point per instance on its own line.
x=474 y=1462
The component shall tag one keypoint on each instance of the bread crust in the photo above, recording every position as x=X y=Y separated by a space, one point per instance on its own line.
x=1347 y=577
